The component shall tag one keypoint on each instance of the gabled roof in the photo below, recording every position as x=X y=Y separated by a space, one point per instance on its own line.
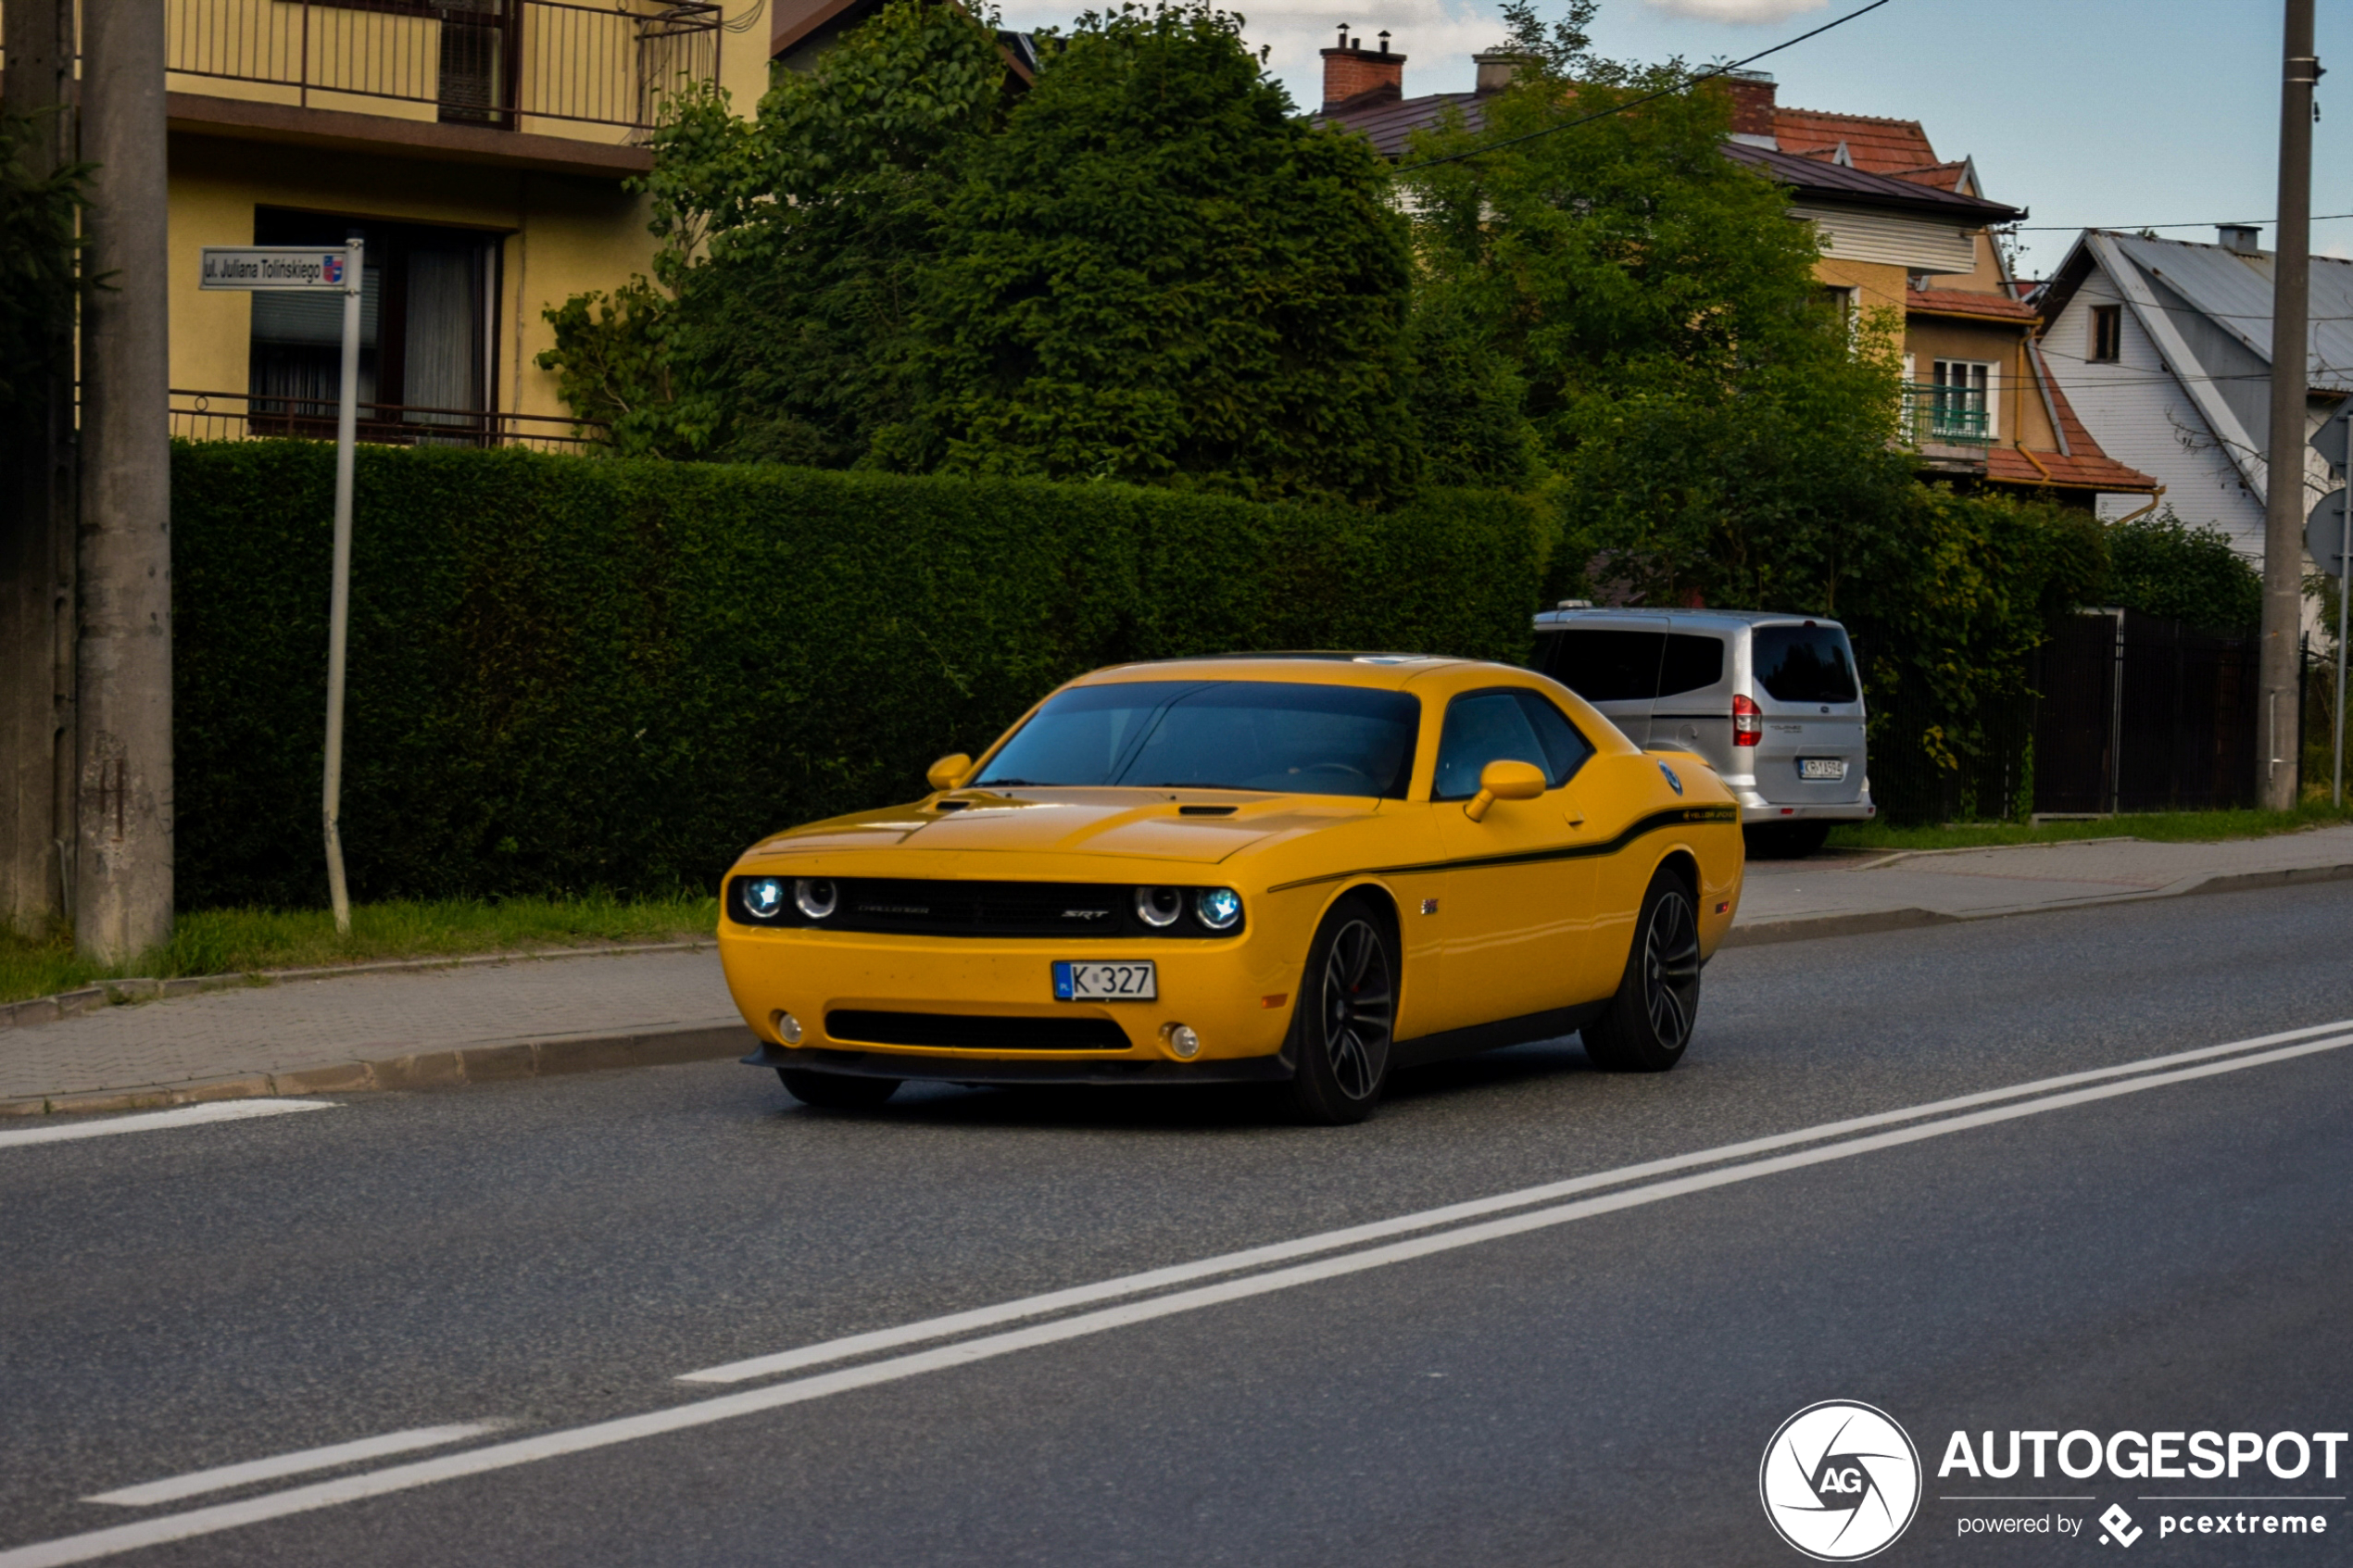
x=2230 y=289
x=2082 y=466
x=1816 y=180
x=1878 y=146
x=1972 y=303
x=1389 y=122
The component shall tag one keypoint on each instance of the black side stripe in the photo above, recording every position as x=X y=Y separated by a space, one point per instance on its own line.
x=1680 y=815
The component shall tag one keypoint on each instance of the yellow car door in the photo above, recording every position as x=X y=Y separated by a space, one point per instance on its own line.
x=1519 y=897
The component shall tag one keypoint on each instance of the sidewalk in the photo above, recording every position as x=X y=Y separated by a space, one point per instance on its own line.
x=484 y=1023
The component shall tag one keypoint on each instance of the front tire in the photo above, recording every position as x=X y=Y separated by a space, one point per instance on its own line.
x=1341 y=1029
x=836 y=1091
x=1649 y=1021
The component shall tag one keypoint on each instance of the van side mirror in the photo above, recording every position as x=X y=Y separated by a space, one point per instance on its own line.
x=949 y=772
x=1505 y=780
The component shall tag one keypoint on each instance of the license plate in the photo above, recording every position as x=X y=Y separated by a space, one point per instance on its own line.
x=1833 y=768
x=1135 y=981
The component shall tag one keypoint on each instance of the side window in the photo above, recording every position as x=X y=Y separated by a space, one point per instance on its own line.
x=1692 y=664
x=1607 y=666
x=1564 y=749
x=1517 y=726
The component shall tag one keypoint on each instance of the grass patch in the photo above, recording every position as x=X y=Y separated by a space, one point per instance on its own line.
x=242 y=941
x=2163 y=827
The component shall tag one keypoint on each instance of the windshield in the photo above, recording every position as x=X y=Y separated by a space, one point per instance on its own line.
x=1804 y=663
x=1216 y=734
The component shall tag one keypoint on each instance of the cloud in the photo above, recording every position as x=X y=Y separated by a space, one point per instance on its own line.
x=1739 y=11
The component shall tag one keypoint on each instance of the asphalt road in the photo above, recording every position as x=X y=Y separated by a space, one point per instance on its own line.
x=1598 y=1388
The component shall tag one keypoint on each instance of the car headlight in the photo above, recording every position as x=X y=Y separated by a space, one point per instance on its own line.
x=1159 y=906
x=815 y=896
x=1220 y=908
x=764 y=895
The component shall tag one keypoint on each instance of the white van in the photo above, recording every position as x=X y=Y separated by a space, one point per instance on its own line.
x=1771 y=702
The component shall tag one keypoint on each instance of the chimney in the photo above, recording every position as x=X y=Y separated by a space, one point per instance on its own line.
x=1496 y=68
x=1353 y=71
x=1751 y=104
x=2240 y=237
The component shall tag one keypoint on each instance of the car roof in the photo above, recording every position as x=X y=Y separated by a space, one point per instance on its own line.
x=1392 y=672
x=1702 y=619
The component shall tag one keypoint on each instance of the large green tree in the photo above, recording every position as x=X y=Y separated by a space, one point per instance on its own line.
x=1716 y=430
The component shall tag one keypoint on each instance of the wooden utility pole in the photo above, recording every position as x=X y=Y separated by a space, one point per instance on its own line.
x=2284 y=501
x=36 y=531
x=123 y=657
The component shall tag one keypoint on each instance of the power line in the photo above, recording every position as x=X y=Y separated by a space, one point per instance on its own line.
x=2132 y=227
x=1705 y=76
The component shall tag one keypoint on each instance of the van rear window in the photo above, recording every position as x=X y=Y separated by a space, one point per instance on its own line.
x=1804 y=663
x=1606 y=666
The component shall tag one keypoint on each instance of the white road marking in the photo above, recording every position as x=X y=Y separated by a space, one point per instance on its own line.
x=726 y=1407
x=198 y=1483
x=155 y=1121
x=1332 y=1241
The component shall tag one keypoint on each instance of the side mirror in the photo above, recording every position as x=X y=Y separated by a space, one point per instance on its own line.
x=949 y=772
x=1505 y=780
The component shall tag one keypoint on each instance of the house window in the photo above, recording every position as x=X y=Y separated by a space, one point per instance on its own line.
x=1845 y=303
x=428 y=306
x=2108 y=333
x=1962 y=405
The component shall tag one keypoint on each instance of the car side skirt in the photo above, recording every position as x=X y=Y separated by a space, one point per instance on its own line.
x=1550 y=1024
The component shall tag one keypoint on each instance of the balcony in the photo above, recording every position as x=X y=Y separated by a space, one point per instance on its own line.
x=457 y=75
x=236 y=416
x=1946 y=416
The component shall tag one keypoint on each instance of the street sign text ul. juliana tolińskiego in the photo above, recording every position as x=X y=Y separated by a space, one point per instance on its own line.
x=246 y=266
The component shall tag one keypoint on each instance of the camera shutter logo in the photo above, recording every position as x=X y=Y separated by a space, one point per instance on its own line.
x=1841 y=1481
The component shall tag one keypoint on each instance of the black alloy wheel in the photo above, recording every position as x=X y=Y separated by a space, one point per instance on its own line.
x=836 y=1091
x=1342 y=1027
x=1650 y=1021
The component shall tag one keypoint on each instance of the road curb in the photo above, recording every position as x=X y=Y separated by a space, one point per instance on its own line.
x=35 y=1010
x=492 y=1061
x=1808 y=928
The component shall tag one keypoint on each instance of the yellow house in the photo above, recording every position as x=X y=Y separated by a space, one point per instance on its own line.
x=478 y=148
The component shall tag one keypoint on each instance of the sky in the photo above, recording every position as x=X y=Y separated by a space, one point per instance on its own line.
x=2112 y=113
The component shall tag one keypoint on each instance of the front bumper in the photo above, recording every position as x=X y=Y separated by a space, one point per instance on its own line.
x=941 y=1069
x=1236 y=993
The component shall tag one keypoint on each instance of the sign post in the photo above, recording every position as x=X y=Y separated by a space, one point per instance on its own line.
x=244 y=270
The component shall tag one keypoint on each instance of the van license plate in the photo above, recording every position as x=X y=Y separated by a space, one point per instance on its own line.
x=1134 y=982
x=1832 y=768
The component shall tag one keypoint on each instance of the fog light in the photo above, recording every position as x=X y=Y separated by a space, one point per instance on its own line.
x=787 y=1028
x=764 y=895
x=815 y=896
x=1181 y=1039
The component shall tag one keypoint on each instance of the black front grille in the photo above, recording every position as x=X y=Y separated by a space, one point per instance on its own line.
x=918 y=908
x=975 y=1031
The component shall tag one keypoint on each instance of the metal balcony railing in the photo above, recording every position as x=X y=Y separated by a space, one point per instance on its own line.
x=1946 y=416
x=497 y=63
x=237 y=416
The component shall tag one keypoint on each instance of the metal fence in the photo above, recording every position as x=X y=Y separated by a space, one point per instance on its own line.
x=486 y=62
x=1946 y=416
x=235 y=415
x=2124 y=712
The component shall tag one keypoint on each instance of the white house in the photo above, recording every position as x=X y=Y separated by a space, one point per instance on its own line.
x=2164 y=347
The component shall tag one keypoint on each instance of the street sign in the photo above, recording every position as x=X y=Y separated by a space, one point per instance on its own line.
x=2329 y=440
x=247 y=267
x=2324 y=532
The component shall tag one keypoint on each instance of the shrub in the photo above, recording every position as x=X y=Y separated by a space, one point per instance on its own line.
x=570 y=675
x=2161 y=566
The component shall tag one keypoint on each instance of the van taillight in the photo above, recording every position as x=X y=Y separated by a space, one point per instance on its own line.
x=1748 y=721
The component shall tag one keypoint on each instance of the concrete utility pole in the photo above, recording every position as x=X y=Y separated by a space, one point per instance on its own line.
x=37 y=534
x=2283 y=481
x=123 y=864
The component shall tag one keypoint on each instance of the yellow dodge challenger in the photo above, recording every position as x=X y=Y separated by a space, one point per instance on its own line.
x=1306 y=869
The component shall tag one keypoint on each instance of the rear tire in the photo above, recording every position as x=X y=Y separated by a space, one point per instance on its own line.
x=1650 y=1021
x=836 y=1091
x=1343 y=1026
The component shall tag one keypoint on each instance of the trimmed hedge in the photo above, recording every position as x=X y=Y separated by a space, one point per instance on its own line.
x=569 y=674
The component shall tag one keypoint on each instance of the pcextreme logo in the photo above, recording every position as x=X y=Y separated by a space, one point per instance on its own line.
x=1841 y=1481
